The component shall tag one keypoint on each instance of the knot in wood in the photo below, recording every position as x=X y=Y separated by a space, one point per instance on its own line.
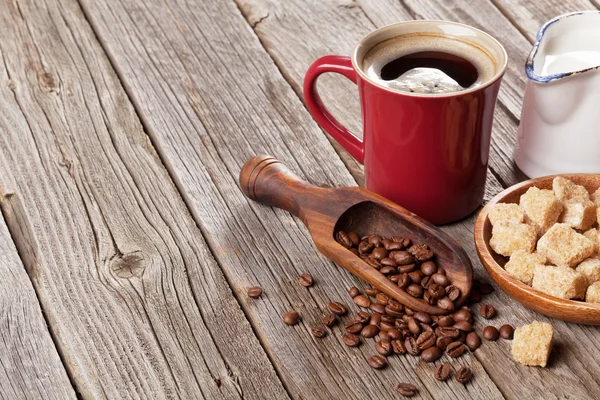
x=127 y=265
x=48 y=82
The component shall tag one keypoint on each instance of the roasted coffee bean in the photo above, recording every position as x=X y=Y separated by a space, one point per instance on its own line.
x=354 y=238
x=411 y=346
x=254 y=292
x=383 y=335
x=379 y=253
x=403 y=241
x=369 y=331
x=406 y=389
x=385 y=243
x=362 y=301
x=442 y=372
x=351 y=340
x=449 y=331
x=375 y=319
x=483 y=287
x=422 y=317
x=414 y=326
x=490 y=333
x=385 y=325
x=415 y=290
x=395 y=306
x=375 y=240
x=400 y=325
x=319 y=331
x=436 y=291
x=371 y=291
x=337 y=308
x=388 y=262
x=507 y=332
x=431 y=354
x=394 y=334
x=353 y=326
x=363 y=317
x=452 y=292
x=440 y=279
x=445 y=304
x=473 y=341
x=429 y=299
x=408 y=268
x=409 y=311
x=403 y=281
x=455 y=349
x=329 y=320
x=443 y=341
x=441 y=271
x=373 y=262
x=464 y=375
x=353 y=292
x=428 y=268
x=463 y=315
x=487 y=311
x=306 y=280
x=416 y=276
x=395 y=246
x=426 y=327
x=426 y=282
x=291 y=317
x=384 y=347
x=380 y=308
x=387 y=270
x=398 y=346
x=365 y=248
x=421 y=252
x=426 y=340
x=474 y=297
x=392 y=312
x=377 y=362
x=402 y=257
x=394 y=278
x=343 y=239
x=463 y=326
x=382 y=298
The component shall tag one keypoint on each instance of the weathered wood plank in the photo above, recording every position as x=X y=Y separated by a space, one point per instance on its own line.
x=208 y=81
x=30 y=367
x=136 y=303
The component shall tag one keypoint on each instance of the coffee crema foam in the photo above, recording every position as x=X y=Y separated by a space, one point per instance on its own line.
x=425 y=80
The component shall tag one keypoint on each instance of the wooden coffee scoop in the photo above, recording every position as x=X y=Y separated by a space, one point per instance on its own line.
x=353 y=209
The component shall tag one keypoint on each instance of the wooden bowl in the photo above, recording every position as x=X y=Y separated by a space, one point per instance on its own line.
x=568 y=310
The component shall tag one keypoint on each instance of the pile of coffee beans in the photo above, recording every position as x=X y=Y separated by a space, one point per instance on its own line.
x=408 y=265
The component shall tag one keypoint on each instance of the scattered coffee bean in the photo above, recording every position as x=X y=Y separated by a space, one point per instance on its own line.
x=414 y=290
x=473 y=341
x=382 y=298
x=291 y=317
x=414 y=326
x=463 y=326
x=379 y=253
x=440 y=279
x=449 y=331
x=403 y=281
x=363 y=317
x=398 y=347
x=306 y=280
x=329 y=320
x=378 y=308
x=422 y=317
x=426 y=340
x=406 y=389
x=402 y=257
x=428 y=268
x=411 y=346
x=354 y=238
x=254 y=292
x=464 y=375
x=452 y=292
x=387 y=270
x=394 y=334
x=384 y=347
x=351 y=340
x=365 y=248
x=431 y=354
x=443 y=341
x=369 y=331
x=444 y=303
x=421 y=252
x=416 y=277
x=353 y=326
x=337 y=308
x=442 y=372
x=487 y=311
x=375 y=319
x=463 y=315
x=377 y=362
x=343 y=239
x=455 y=349
x=319 y=331
x=354 y=292
x=362 y=301
x=436 y=291
x=490 y=333
x=407 y=269
x=426 y=282
x=507 y=332
x=446 y=321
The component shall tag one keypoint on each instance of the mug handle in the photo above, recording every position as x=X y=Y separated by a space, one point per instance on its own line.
x=341 y=65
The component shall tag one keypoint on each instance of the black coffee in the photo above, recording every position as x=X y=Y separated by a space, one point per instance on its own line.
x=445 y=71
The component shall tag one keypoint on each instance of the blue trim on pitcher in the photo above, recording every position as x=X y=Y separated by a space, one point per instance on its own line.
x=529 y=70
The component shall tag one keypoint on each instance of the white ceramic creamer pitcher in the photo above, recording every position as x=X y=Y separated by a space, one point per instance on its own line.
x=560 y=121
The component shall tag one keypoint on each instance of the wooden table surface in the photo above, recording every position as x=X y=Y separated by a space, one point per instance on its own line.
x=128 y=245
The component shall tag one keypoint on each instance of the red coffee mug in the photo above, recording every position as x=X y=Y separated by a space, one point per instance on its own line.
x=426 y=152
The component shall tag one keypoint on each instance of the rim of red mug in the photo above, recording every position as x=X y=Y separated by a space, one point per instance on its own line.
x=484 y=85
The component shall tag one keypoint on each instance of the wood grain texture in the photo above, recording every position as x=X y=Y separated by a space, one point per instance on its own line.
x=136 y=303
x=30 y=367
x=212 y=97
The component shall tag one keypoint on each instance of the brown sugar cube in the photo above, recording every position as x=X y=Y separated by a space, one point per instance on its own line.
x=590 y=268
x=595 y=197
x=508 y=238
x=594 y=235
x=593 y=293
x=562 y=246
x=507 y=213
x=563 y=282
x=541 y=207
x=522 y=264
x=532 y=343
x=565 y=189
x=578 y=213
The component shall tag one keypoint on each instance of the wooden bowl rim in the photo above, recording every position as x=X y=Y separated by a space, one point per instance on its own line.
x=519 y=288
